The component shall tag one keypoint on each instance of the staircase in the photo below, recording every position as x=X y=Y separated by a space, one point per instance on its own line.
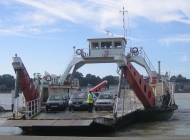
x=142 y=60
x=140 y=87
x=64 y=76
x=165 y=87
x=27 y=86
x=72 y=62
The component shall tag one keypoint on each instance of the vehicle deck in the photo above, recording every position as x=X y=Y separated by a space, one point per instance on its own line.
x=52 y=115
x=126 y=113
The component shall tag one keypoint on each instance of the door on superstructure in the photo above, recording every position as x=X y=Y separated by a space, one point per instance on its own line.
x=45 y=94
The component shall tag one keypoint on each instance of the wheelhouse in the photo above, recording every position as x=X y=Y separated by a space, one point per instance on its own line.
x=106 y=47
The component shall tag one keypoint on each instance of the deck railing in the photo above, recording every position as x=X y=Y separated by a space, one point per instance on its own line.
x=128 y=50
x=170 y=87
x=32 y=108
x=141 y=53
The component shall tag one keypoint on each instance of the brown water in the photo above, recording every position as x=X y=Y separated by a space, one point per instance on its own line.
x=179 y=125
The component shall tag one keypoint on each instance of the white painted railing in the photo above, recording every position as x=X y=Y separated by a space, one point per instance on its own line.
x=66 y=70
x=141 y=53
x=171 y=90
x=32 y=108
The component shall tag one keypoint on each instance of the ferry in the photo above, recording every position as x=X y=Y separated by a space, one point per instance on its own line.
x=146 y=99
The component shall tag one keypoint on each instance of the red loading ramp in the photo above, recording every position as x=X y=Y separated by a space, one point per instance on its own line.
x=26 y=84
x=141 y=88
x=98 y=87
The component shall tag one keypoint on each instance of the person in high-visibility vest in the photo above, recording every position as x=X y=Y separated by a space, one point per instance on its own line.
x=90 y=101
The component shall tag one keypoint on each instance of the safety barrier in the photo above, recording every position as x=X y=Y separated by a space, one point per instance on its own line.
x=32 y=108
x=138 y=51
x=170 y=86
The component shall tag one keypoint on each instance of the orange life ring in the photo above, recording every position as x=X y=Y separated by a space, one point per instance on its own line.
x=78 y=51
x=135 y=51
x=48 y=78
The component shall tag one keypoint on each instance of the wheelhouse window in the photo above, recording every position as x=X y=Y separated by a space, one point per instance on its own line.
x=117 y=45
x=95 y=45
x=106 y=45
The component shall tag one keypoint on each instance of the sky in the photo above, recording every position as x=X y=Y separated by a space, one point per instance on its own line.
x=43 y=32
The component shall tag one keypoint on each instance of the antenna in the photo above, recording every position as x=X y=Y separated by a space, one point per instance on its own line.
x=108 y=32
x=123 y=20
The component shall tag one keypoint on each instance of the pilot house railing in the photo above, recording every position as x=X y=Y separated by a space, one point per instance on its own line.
x=138 y=51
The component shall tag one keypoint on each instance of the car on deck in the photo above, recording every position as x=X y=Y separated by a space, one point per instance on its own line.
x=56 y=102
x=105 y=101
x=67 y=97
x=78 y=100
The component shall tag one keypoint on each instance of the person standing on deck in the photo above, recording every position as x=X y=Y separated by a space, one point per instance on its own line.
x=90 y=101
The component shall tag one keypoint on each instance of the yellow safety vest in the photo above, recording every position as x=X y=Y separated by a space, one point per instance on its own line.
x=89 y=99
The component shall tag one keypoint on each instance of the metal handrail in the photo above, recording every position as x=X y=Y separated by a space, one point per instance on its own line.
x=62 y=77
x=171 y=90
x=142 y=54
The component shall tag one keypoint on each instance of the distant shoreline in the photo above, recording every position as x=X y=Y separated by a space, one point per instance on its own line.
x=7 y=92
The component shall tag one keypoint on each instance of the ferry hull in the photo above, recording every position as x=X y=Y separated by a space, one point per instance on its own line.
x=156 y=114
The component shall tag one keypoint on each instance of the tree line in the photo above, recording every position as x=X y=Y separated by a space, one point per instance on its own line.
x=181 y=83
x=92 y=79
x=7 y=81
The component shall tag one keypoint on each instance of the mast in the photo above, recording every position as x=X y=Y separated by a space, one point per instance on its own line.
x=123 y=20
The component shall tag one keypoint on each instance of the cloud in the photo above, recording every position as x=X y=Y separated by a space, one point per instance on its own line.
x=175 y=39
x=101 y=14
x=9 y=32
x=36 y=19
x=68 y=10
x=184 y=58
x=160 y=10
x=90 y=12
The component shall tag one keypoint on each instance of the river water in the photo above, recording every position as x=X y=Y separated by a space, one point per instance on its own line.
x=179 y=125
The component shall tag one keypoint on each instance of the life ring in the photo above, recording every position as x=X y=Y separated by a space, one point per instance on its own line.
x=83 y=54
x=135 y=51
x=78 y=51
x=48 y=78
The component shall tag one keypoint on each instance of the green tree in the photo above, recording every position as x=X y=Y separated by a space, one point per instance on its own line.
x=179 y=76
x=92 y=79
x=111 y=79
x=77 y=75
x=8 y=81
